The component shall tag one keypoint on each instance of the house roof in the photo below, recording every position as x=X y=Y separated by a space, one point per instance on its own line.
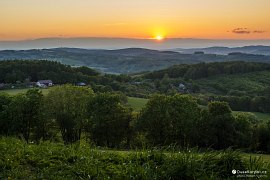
x=81 y=84
x=45 y=81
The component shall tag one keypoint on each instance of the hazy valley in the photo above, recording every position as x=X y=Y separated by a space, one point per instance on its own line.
x=134 y=60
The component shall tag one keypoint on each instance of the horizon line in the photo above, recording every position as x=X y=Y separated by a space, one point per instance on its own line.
x=133 y=38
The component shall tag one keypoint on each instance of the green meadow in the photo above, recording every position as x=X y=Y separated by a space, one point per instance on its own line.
x=17 y=91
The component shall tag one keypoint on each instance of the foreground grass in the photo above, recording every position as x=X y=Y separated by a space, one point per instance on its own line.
x=55 y=161
x=265 y=157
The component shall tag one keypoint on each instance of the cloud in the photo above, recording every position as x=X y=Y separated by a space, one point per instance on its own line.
x=246 y=31
x=259 y=31
x=241 y=31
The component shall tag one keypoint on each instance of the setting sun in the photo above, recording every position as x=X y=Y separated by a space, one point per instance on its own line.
x=159 y=38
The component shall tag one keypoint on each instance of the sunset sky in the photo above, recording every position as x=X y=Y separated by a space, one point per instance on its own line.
x=211 y=19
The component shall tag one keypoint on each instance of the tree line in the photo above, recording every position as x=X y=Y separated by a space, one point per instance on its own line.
x=72 y=113
x=246 y=103
x=204 y=70
x=34 y=70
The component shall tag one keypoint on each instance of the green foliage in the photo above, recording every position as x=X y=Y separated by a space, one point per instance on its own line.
x=68 y=105
x=262 y=136
x=5 y=101
x=216 y=127
x=246 y=103
x=70 y=113
x=108 y=120
x=245 y=84
x=219 y=108
x=203 y=70
x=24 y=113
x=246 y=125
x=167 y=119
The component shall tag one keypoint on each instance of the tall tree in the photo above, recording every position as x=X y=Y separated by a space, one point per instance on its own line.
x=24 y=111
x=67 y=105
x=108 y=120
x=222 y=124
x=5 y=101
x=169 y=119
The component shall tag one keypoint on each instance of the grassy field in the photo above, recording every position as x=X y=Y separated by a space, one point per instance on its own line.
x=262 y=116
x=17 y=91
x=136 y=103
x=80 y=161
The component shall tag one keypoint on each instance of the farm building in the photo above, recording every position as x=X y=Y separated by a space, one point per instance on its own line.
x=81 y=84
x=44 y=83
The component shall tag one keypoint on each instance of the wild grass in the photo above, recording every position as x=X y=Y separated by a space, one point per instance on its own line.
x=80 y=161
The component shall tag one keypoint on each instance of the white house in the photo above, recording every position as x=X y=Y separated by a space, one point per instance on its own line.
x=182 y=86
x=44 y=83
x=81 y=84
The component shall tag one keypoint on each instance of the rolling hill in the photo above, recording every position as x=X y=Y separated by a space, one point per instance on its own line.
x=124 y=61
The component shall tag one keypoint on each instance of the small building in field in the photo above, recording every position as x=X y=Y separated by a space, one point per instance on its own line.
x=44 y=83
x=81 y=84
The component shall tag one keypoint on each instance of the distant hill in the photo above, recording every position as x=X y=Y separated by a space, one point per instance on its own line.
x=119 y=43
x=259 y=50
x=130 y=60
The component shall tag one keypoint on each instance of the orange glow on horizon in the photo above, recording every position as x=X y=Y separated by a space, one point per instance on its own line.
x=144 y=19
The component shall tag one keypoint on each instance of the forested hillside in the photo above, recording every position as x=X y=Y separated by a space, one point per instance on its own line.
x=125 y=61
x=245 y=85
x=12 y=71
x=204 y=70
